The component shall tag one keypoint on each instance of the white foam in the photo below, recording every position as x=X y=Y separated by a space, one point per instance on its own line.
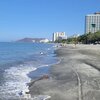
x=15 y=80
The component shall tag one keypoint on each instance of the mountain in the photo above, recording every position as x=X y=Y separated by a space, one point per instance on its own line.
x=30 y=40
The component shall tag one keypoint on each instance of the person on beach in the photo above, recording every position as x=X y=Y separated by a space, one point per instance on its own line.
x=20 y=93
x=41 y=53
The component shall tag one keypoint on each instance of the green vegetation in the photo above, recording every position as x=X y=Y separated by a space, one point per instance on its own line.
x=61 y=41
x=72 y=40
x=90 y=38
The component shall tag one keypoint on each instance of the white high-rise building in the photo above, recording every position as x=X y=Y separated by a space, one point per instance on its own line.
x=92 y=23
x=59 y=35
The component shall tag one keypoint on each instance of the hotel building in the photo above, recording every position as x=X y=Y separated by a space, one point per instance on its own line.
x=92 y=23
x=59 y=36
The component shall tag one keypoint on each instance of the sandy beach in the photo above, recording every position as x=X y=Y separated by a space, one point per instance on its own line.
x=76 y=77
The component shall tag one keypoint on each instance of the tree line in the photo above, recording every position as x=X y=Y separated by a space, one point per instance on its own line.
x=90 y=38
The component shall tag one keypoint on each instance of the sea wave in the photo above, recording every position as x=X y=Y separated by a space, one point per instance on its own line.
x=19 y=60
x=16 y=80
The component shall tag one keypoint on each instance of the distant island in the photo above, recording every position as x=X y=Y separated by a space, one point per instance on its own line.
x=37 y=40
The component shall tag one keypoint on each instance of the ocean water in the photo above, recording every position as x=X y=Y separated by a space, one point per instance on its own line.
x=19 y=63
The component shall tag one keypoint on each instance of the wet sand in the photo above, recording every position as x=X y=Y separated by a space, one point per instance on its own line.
x=76 y=77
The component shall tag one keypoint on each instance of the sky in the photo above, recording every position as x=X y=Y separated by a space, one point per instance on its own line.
x=40 y=18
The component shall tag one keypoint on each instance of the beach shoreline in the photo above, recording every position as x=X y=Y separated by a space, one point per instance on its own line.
x=76 y=77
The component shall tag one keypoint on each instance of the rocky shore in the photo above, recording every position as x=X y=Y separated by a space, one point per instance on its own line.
x=76 y=77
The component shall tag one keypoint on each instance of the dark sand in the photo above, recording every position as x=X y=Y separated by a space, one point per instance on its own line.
x=77 y=77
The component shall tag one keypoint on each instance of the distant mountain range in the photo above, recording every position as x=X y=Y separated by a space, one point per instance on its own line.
x=30 y=40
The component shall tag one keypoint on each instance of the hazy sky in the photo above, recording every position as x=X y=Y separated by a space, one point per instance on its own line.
x=40 y=18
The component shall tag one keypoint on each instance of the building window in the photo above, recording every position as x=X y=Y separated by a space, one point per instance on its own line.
x=93 y=25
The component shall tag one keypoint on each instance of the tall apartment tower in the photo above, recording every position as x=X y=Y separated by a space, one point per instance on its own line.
x=92 y=23
x=59 y=35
